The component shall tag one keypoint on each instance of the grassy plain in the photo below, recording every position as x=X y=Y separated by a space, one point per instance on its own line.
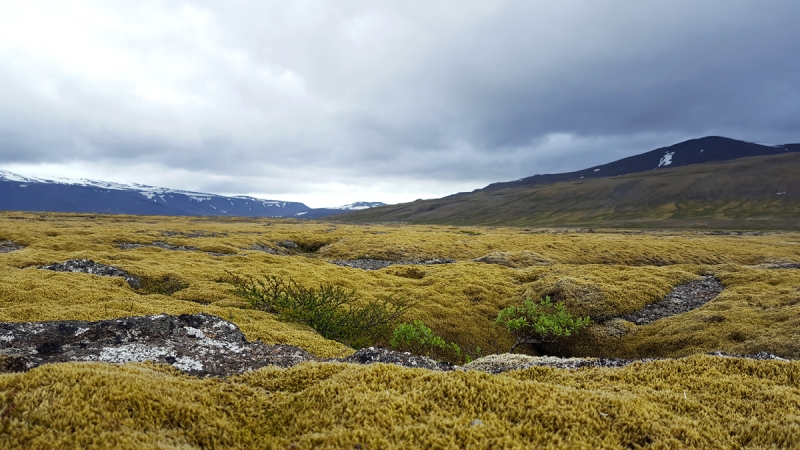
x=699 y=401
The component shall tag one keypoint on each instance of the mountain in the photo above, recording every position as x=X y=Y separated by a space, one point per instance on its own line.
x=358 y=206
x=64 y=195
x=694 y=151
x=324 y=212
x=728 y=191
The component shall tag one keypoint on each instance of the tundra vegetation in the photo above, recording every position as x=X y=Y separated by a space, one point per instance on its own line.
x=186 y=266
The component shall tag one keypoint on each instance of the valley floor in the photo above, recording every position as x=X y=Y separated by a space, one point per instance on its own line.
x=457 y=278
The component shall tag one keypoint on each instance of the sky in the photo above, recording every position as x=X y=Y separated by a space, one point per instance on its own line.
x=334 y=102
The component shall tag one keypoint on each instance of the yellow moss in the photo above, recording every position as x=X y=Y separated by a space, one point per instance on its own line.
x=604 y=291
x=699 y=402
x=519 y=259
x=603 y=274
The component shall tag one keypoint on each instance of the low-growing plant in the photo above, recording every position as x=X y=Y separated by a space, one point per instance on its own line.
x=164 y=285
x=539 y=323
x=419 y=339
x=331 y=310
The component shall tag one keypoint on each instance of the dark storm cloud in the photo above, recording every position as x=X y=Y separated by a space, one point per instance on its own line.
x=295 y=97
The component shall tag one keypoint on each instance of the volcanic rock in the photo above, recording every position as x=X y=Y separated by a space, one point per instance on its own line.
x=682 y=299
x=91 y=267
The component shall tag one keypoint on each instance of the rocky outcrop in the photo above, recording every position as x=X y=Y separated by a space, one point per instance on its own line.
x=91 y=267
x=373 y=355
x=377 y=264
x=682 y=299
x=9 y=246
x=160 y=244
x=513 y=361
x=197 y=344
x=205 y=345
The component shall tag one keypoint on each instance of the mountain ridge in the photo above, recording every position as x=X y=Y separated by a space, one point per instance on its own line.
x=91 y=196
x=761 y=191
x=692 y=151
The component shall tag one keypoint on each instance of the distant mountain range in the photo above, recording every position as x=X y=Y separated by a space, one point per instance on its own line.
x=708 y=182
x=20 y=193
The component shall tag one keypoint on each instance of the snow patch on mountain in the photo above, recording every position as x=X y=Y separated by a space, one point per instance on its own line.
x=666 y=159
x=765 y=144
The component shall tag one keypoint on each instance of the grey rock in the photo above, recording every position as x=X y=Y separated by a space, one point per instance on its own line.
x=265 y=249
x=373 y=355
x=286 y=244
x=91 y=267
x=159 y=244
x=682 y=299
x=9 y=246
x=197 y=344
x=377 y=264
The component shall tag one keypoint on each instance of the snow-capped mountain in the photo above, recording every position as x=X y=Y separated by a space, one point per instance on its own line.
x=322 y=212
x=359 y=206
x=21 y=193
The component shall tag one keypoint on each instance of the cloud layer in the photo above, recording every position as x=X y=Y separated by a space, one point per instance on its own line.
x=333 y=102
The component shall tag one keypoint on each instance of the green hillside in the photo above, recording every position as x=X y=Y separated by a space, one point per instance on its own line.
x=760 y=192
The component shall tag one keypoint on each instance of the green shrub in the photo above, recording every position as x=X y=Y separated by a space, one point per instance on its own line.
x=329 y=309
x=538 y=323
x=418 y=339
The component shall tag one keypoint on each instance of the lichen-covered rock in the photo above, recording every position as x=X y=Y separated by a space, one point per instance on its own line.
x=377 y=264
x=265 y=249
x=373 y=355
x=198 y=344
x=91 y=267
x=159 y=244
x=9 y=246
x=511 y=361
x=287 y=244
x=682 y=299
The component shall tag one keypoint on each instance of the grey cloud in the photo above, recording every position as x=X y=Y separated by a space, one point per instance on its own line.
x=274 y=97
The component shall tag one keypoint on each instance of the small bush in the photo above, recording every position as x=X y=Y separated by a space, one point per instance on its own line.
x=538 y=323
x=418 y=339
x=329 y=309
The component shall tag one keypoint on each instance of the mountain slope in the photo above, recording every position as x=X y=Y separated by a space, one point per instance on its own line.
x=694 y=151
x=754 y=192
x=20 y=193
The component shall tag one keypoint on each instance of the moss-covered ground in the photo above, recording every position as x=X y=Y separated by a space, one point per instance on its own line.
x=699 y=401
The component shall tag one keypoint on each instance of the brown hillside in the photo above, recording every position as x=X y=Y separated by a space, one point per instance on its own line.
x=761 y=192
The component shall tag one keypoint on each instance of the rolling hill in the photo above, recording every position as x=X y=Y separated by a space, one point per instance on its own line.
x=693 y=151
x=755 y=192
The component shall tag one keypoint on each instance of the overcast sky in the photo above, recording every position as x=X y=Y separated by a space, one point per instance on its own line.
x=333 y=102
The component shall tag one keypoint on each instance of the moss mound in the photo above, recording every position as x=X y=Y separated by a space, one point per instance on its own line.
x=699 y=402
